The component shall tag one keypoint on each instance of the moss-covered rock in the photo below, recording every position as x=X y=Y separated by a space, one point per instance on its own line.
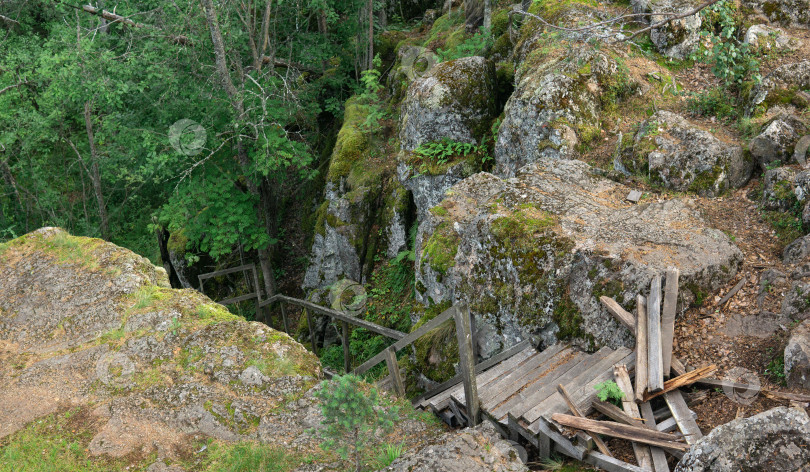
x=532 y=255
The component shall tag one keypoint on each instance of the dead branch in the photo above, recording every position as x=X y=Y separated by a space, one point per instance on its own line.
x=8 y=20
x=13 y=86
x=115 y=18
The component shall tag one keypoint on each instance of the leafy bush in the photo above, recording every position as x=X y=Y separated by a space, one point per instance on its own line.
x=609 y=391
x=731 y=59
x=370 y=97
x=352 y=413
x=476 y=45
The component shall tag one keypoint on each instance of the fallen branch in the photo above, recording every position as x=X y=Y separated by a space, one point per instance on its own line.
x=794 y=397
x=114 y=18
x=622 y=431
x=682 y=380
x=732 y=292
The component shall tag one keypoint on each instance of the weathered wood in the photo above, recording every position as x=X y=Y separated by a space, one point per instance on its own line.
x=668 y=317
x=575 y=411
x=311 y=326
x=732 y=292
x=659 y=459
x=587 y=394
x=655 y=361
x=641 y=347
x=509 y=383
x=503 y=368
x=479 y=368
x=677 y=366
x=622 y=431
x=347 y=355
x=610 y=464
x=683 y=416
x=393 y=370
x=218 y=273
x=240 y=298
x=555 y=404
x=562 y=444
x=615 y=413
x=794 y=397
x=642 y=453
x=467 y=362
x=545 y=377
x=315 y=308
x=682 y=381
x=622 y=315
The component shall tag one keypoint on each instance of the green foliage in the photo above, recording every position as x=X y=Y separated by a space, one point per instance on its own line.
x=476 y=45
x=370 y=97
x=352 y=413
x=712 y=102
x=731 y=59
x=609 y=391
x=247 y=457
x=387 y=455
x=788 y=225
x=442 y=152
x=776 y=370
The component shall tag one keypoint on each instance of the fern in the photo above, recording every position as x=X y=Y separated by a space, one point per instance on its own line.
x=609 y=391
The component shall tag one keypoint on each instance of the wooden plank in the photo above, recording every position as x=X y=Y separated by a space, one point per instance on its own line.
x=479 y=368
x=793 y=397
x=623 y=316
x=642 y=453
x=667 y=425
x=677 y=366
x=347 y=355
x=547 y=398
x=506 y=393
x=501 y=369
x=621 y=431
x=217 y=273
x=467 y=362
x=311 y=326
x=393 y=370
x=616 y=414
x=542 y=386
x=538 y=357
x=508 y=383
x=641 y=347
x=682 y=381
x=732 y=292
x=574 y=386
x=610 y=464
x=240 y=298
x=587 y=394
x=562 y=444
x=575 y=411
x=668 y=317
x=655 y=361
x=659 y=459
x=683 y=416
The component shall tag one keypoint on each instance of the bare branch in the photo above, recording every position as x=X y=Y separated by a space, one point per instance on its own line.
x=8 y=20
x=10 y=87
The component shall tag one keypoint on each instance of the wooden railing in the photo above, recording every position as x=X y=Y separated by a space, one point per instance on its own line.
x=256 y=293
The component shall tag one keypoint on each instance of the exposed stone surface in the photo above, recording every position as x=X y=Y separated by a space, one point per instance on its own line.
x=532 y=254
x=797 y=356
x=784 y=12
x=777 y=191
x=797 y=251
x=778 y=439
x=454 y=100
x=777 y=140
x=783 y=85
x=685 y=157
x=767 y=38
x=678 y=38
x=556 y=99
x=478 y=449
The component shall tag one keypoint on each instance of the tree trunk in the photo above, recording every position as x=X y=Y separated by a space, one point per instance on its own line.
x=487 y=14
x=95 y=175
x=356 y=451
x=370 y=35
x=474 y=14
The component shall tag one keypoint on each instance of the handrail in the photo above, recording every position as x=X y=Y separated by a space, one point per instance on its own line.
x=373 y=327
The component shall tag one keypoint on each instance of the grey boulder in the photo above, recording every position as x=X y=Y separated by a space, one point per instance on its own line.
x=777 y=140
x=797 y=357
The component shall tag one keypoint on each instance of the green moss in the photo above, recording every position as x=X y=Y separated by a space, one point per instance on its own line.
x=437 y=351
x=522 y=224
x=500 y=22
x=178 y=242
x=704 y=183
x=441 y=248
x=439 y=210
x=569 y=319
x=351 y=141
x=700 y=295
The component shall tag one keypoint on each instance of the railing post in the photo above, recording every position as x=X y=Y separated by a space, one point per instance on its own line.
x=393 y=368
x=347 y=357
x=283 y=316
x=312 y=339
x=467 y=362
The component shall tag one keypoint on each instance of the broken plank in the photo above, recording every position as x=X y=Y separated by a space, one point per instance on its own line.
x=642 y=453
x=621 y=431
x=682 y=381
x=658 y=456
x=587 y=394
x=655 y=361
x=732 y=292
x=561 y=443
x=623 y=316
x=616 y=414
x=794 y=397
x=610 y=464
x=575 y=411
x=668 y=317
x=641 y=348
x=683 y=416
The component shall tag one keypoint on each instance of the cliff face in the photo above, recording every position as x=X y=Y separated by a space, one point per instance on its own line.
x=88 y=327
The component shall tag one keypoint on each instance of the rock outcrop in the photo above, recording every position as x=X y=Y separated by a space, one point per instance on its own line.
x=478 y=449
x=533 y=254
x=797 y=356
x=777 y=140
x=685 y=157
x=768 y=38
x=678 y=38
x=784 y=85
x=455 y=100
x=778 y=439
x=784 y=12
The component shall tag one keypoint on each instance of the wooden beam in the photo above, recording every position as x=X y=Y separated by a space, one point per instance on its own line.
x=575 y=411
x=393 y=370
x=641 y=348
x=794 y=397
x=311 y=326
x=682 y=381
x=623 y=316
x=347 y=356
x=615 y=413
x=655 y=361
x=562 y=444
x=467 y=362
x=683 y=416
x=668 y=317
x=659 y=459
x=610 y=464
x=621 y=431
x=642 y=453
